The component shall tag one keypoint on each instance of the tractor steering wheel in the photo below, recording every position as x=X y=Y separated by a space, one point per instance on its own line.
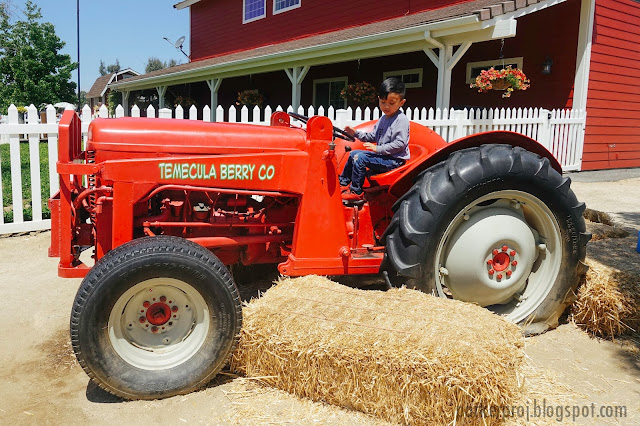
x=337 y=132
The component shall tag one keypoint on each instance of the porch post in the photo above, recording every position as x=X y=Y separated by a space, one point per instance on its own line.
x=162 y=90
x=125 y=101
x=214 y=85
x=444 y=61
x=296 y=75
x=583 y=57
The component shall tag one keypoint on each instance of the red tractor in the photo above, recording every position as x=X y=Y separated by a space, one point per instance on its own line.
x=168 y=205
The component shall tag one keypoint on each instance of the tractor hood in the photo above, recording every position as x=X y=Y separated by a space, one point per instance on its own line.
x=189 y=137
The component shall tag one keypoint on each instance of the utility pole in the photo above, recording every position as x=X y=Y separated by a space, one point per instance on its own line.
x=78 y=38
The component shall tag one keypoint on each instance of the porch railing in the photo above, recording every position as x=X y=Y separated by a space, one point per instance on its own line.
x=28 y=151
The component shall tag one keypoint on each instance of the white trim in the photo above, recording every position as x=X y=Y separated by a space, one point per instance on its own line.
x=286 y=9
x=185 y=3
x=344 y=79
x=418 y=71
x=583 y=55
x=244 y=12
x=519 y=60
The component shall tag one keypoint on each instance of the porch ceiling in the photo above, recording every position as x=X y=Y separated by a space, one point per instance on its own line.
x=474 y=21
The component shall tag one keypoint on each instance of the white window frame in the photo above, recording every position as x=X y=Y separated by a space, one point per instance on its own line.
x=492 y=63
x=345 y=79
x=286 y=9
x=418 y=71
x=244 y=6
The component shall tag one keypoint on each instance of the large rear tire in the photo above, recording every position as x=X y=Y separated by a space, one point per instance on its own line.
x=496 y=226
x=155 y=317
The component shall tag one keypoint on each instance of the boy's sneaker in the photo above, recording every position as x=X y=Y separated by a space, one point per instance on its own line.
x=351 y=195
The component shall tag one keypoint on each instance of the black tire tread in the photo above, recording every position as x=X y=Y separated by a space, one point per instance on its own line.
x=419 y=209
x=135 y=249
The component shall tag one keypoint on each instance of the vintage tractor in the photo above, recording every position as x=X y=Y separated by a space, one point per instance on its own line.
x=168 y=205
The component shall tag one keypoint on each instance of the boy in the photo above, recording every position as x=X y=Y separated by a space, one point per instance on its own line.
x=391 y=137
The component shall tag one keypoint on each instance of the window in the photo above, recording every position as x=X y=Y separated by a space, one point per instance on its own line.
x=410 y=78
x=284 y=5
x=326 y=92
x=253 y=10
x=474 y=68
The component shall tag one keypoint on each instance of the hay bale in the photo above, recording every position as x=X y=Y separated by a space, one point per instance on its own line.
x=401 y=355
x=608 y=304
x=601 y=231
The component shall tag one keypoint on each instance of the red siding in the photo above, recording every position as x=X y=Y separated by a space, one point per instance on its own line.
x=559 y=42
x=217 y=28
x=612 y=137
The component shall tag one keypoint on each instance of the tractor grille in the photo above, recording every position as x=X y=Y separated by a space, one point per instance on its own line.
x=91 y=183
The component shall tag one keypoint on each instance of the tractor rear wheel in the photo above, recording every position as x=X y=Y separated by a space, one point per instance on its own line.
x=155 y=317
x=496 y=226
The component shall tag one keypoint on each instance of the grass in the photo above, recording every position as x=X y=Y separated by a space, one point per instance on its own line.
x=26 y=180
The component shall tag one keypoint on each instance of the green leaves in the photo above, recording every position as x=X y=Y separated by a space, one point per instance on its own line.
x=31 y=69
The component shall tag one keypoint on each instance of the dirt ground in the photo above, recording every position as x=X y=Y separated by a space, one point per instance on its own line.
x=40 y=382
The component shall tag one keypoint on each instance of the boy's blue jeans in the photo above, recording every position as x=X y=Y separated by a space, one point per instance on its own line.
x=359 y=161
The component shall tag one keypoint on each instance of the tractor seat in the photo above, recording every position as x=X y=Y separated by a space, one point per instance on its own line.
x=388 y=178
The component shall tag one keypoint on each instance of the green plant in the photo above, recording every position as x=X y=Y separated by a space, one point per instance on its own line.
x=250 y=97
x=360 y=94
x=26 y=180
x=508 y=79
x=184 y=101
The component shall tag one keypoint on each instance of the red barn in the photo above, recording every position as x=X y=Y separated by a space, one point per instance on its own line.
x=580 y=54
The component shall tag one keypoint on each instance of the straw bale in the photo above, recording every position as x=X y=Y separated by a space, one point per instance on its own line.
x=608 y=304
x=401 y=355
x=601 y=231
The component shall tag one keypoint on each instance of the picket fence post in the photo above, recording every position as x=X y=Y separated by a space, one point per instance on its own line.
x=165 y=113
x=459 y=118
x=52 y=145
x=16 y=168
x=544 y=136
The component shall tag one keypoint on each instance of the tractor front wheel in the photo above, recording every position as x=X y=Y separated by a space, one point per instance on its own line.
x=496 y=226
x=154 y=318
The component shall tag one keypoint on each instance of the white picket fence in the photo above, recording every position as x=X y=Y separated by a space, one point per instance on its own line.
x=561 y=131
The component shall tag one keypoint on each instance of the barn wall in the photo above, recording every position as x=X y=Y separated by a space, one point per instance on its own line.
x=612 y=137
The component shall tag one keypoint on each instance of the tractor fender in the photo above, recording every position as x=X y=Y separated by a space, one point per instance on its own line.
x=402 y=185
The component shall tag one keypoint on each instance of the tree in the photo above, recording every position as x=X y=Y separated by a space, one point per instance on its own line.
x=113 y=67
x=102 y=69
x=154 y=64
x=31 y=69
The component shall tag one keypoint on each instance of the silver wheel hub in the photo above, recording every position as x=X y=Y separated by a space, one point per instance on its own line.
x=159 y=323
x=502 y=251
x=490 y=258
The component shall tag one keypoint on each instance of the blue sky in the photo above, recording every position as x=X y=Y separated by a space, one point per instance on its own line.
x=130 y=31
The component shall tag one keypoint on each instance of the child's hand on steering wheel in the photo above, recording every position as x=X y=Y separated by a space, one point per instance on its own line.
x=350 y=131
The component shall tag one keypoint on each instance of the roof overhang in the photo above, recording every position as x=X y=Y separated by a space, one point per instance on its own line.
x=450 y=32
x=185 y=3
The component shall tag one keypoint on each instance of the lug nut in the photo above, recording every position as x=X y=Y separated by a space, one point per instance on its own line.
x=163 y=299
x=489 y=262
x=509 y=273
x=174 y=308
x=495 y=251
x=154 y=329
x=514 y=263
x=146 y=304
x=513 y=253
x=499 y=276
x=142 y=320
x=505 y=248
x=491 y=272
